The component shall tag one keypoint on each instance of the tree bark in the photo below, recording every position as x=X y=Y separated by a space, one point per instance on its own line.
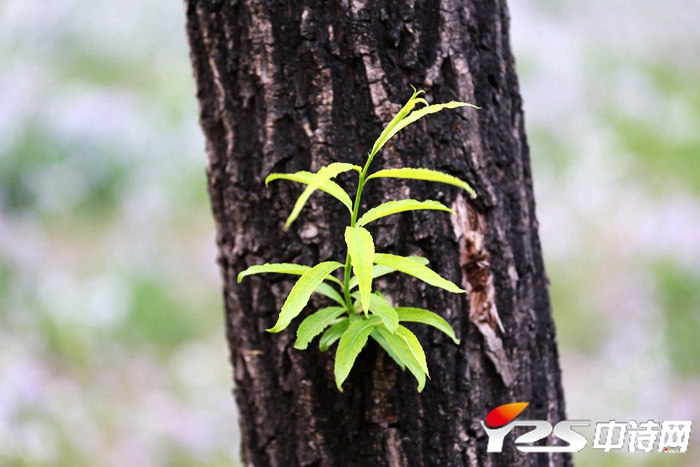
x=293 y=86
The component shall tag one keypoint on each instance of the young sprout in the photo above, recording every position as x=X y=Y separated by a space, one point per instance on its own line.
x=361 y=314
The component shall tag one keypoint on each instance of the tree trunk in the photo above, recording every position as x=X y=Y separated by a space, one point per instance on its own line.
x=293 y=86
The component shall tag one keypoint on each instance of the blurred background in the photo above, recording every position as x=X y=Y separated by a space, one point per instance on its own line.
x=112 y=349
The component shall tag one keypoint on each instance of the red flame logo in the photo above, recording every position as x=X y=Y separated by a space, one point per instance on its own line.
x=504 y=414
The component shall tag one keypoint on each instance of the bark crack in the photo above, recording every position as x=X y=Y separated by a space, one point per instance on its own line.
x=477 y=279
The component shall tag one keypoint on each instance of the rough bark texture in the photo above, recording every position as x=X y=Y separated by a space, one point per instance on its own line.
x=288 y=86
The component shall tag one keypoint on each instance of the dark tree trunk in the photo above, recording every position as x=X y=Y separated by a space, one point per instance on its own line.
x=293 y=86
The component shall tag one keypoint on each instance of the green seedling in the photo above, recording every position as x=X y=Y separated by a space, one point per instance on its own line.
x=361 y=314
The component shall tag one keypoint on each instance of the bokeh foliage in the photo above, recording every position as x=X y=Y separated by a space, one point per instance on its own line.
x=112 y=350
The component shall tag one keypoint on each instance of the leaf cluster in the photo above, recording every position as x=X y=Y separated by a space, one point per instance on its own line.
x=359 y=313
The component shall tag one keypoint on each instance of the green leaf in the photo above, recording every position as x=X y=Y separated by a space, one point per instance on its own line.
x=380 y=306
x=394 y=207
x=323 y=175
x=414 y=269
x=418 y=114
x=302 y=290
x=330 y=292
x=402 y=350
x=286 y=268
x=329 y=186
x=385 y=345
x=333 y=334
x=361 y=251
x=419 y=315
x=414 y=346
x=423 y=174
x=379 y=270
x=383 y=138
x=280 y=268
x=314 y=324
x=351 y=343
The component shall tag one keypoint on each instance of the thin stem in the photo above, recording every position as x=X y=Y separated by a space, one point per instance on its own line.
x=353 y=221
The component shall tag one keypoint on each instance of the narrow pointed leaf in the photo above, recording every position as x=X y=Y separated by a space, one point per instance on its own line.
x=379 y=270
x=419 y=315
x=394 y=207
x=405 y=110
x=418 y=114
x=414 y=116
x=351 y=343
x=279 y=268
x=333 y=334
x=323 y=175
x=401 y=349
x=380 y=306
x=314 y=325
x=423 y=174
x=414 y=269
x=300 y=293
x=385 y=345
x=329 y=186
x=330 y=292
x=414 y=346
x=361 y=251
